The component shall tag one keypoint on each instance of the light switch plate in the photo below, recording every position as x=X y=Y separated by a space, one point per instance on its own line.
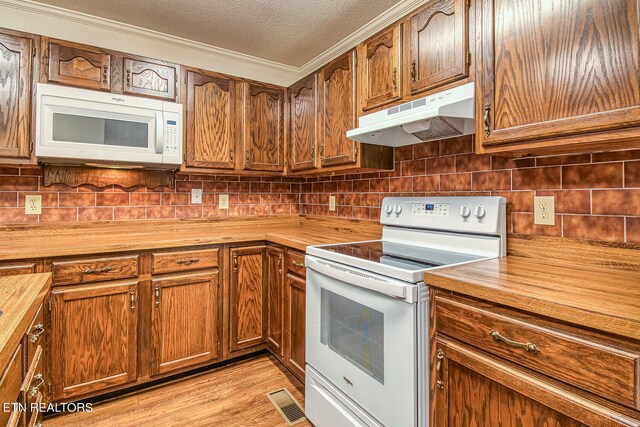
x=196 y=196
x=544 y=210
x=33 y=205
x=332 y=203
x=223 y=201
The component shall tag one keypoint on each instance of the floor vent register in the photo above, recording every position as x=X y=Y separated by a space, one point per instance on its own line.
x=287 y=406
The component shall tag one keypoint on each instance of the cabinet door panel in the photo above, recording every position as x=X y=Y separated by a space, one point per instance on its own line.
x=149 y=79
x=264 y=128
x=438 y=44
x=211 y=126
x=380 y=69
x=247 y=295
x=184 y=321
x=85 y=67
x=303 y=126
x=15 y=91
x=275 y=300
x=338 y=111
x=296 y=309
x=94 y=332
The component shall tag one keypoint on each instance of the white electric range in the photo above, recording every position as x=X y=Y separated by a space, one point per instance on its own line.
x=367 y=348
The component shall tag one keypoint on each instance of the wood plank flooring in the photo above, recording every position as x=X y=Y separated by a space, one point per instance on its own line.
x=231 y=396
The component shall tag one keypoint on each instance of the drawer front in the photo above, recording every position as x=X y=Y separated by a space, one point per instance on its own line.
x=35 y=335
x=35 y=416
x=34 y=381
x=599 y=368
x=17 y=267
x=295 y=263
x=170 y=262
x=86 y=270
x=10 y=385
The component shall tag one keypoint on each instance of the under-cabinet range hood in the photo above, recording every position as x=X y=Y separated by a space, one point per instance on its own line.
x=442 y=115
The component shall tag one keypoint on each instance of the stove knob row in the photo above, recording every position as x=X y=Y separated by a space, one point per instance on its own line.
x=479 y=212
x=389 y=209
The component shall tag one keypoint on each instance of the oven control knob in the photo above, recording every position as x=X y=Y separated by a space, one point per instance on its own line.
x=465 y=211
x=388 y=209
x=480 y=212
x=397 y=209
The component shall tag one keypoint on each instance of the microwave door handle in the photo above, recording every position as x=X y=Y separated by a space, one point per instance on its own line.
x=159 y=131
x=393 y=289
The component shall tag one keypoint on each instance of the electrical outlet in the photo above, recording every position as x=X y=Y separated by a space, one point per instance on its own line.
x=544 y=210
x=196 y=196
x=223 y=201
x=33 y=205
x=332 y=203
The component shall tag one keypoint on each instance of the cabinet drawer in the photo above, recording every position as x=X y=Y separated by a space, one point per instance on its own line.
x=10 y=385
x=68 y=272
x=35 y=335
x=295 y=263
x=169 y=262
x=35 y=417
x=597 y=366
x=34 y=381
x=17 y=267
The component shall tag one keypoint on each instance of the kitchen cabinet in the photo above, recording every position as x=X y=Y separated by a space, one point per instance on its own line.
x=212 y=123
x=94 y=334
x=17 y=58
x=184 y=324
x=569 y=81
x=12 y=268
x=380 y=68
x=303 y=126
x=78 y=65
x=148 y=78
x=295 y=309
x=263 y=127
x=438 y=38
x=247 y=297
x=275 y=300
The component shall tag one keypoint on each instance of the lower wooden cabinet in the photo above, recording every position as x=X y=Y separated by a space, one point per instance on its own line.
x=93 y=337
x=295 y=316
x=184 y=325
x=275 y=300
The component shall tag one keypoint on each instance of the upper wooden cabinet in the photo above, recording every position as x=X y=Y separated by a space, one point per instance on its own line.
x=337 y=95
x=16 y=67
x=263 y=127
x=558 y=76
x=211 y=120
x=303 y=126
x=380 y=68
x=147 y=78
x=78 y=65
x=438 y=44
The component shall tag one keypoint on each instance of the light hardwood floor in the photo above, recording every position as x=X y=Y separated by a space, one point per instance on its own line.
x=231 y=396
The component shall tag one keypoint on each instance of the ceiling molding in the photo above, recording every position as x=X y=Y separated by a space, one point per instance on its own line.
x=38 y=18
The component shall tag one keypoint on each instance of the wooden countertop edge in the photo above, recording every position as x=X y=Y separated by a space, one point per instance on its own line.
x=548 y=308
x=10 y=344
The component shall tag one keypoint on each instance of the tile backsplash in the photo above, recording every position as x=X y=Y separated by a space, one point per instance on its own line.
x=597 y=194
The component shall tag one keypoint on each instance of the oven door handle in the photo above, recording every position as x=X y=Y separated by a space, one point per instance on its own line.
x=389 y=287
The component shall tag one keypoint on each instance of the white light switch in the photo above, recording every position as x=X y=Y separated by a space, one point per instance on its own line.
x=196 y=196
x=223 y=200
x=332 y=203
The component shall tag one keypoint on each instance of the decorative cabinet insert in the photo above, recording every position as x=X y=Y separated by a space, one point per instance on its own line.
x=380 y=68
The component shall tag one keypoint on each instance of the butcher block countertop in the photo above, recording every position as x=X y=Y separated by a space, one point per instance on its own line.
x=597 y=297
x=40 y=241
x=20 y=297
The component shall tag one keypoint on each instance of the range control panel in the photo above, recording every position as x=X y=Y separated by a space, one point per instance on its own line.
x=430 y=209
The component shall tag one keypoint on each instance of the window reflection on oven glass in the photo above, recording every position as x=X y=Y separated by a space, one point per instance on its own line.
x=100 y=131
x=355 y=332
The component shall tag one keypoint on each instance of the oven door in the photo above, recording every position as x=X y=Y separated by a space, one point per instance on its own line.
x=361 y=336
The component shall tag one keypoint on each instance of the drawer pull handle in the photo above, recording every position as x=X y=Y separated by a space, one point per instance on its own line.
x=439 y=381
x=35 y=337
x=530 y=347
x=97 y=270
x=298 y=264
x=33 y=391
x=280 y=263
x=157 y=292
x=188 y=261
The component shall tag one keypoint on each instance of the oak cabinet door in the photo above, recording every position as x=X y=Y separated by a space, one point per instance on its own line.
x=80 y=66
x=15 y=96
x=296 y=309
x=380 y=69
x=247 y=296
x=264 y=128
x=438 y=44
x=184 y=321
x=94 y=337
x=338 y=111
x=303 y=118
x=275 y=300
x=572 y=70
x=149 y=79
x=211 y=124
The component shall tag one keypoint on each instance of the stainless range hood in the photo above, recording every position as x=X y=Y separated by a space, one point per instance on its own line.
x=442 y=115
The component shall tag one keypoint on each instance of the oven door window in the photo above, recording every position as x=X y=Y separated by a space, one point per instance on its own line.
x=353 y=331
x=100 y=131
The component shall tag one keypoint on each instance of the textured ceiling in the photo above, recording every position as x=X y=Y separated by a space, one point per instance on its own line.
x=291 y=32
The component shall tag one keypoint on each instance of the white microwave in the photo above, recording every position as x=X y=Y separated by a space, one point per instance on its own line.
x=85 y=127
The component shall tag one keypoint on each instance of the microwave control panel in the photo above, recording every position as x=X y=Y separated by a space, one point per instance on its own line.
x=171 y=135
